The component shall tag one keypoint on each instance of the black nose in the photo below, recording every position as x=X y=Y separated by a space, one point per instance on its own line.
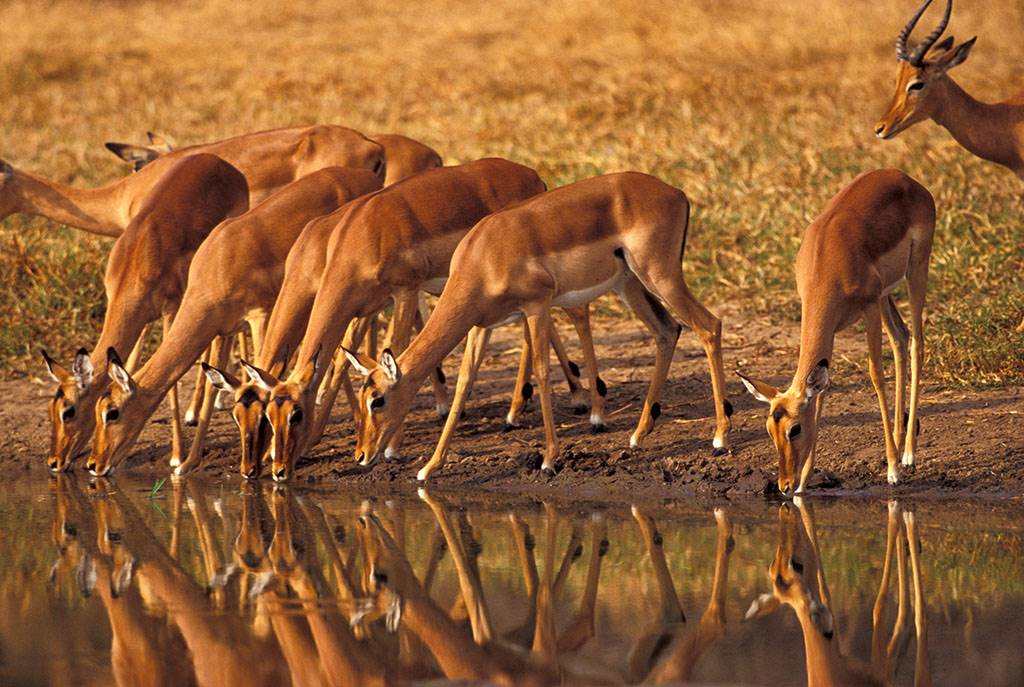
x=281 y=474
x=251 y=474
x=879 y=128
x=51 y=463
x=90 y=465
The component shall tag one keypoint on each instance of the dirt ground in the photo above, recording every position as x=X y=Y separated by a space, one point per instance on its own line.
x=972 y=442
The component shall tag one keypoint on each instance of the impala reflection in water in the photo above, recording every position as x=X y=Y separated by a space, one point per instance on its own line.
x=118 y=583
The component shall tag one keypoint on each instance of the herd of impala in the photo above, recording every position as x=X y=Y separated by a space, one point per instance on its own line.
x=304 y=235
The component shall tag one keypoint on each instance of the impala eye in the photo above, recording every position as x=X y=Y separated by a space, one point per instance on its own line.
x=915 y=86
x=377 y=403
x=68 y=415
x=111 y=415
x=794 y=431
x=295 y=417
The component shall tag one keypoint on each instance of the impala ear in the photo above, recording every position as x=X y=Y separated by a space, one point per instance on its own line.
x=160 y=142
x=761 y=606
x=762 y=391
x=390 y=365
x=363 y=364
x=6 y=172
x=817 y=379
x=943 y=45
x=220 y=379
x=118 y=373
x=304 y=376
x=955 y=57
x=260 y=378
x=138 y=156
x=82 y=368
x=56 y=370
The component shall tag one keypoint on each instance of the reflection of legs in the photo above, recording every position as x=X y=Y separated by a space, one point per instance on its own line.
x=666 y=334
x=525 y=545
x=472 y=356
x=220 y=350
x=873 y=328
x=922 y=671
x=545 y=639
x=581 y=627
x=581 y=321
x=655 y=637
x=880 y=664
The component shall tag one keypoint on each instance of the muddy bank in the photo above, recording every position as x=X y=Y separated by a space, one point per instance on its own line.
x=972 y=441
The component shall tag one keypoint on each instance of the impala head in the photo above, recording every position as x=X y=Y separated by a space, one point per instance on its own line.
x=290 y=409
x=249 y=411
x=793 y=575
x=382 y=405
x=8 y=196
x=71 y=420
x=119 y=418
x=791 y=422
x=920 y=75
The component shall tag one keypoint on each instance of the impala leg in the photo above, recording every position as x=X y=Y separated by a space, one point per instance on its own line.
x=220 y=352
x=133 y=358
x=406 y=309
x=666 y=334
x=196 y=404
x=598 y=390
x=671 y=288
x=540 y=334
x=523 y=390
x=898 y=335
x=873 y=326
x=808 y=468
x=371 y=344
x=473 y=355
x=571 y=371
x=917 y=286
x=437 y=380
x=354 y=332
x=177 y=434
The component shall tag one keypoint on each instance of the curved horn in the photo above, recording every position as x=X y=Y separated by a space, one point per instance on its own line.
x=929 y=41
x=901 y=39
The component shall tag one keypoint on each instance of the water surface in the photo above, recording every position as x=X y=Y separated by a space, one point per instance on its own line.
x=224 y=583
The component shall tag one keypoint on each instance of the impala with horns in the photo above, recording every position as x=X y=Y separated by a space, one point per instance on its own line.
x=233 y=279
x=145 y=279
x=624 y=232
x=924 y=90
x=268 y=159
x=874 y=234
x=390 y=245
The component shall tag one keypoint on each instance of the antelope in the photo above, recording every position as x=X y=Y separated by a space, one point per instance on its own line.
x=874 y=234
x=145 y=279
x=564 y=248
x=389 y=245
x=924 y=90
x=234 y=278
x=798 y=581
x=268 y=159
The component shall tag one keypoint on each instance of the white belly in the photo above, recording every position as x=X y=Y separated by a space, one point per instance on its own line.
x=572 y=299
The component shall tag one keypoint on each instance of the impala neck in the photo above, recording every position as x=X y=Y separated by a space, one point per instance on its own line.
x=93 y=210
x=818 y=325
x=184 y=343
x=987 y=130
x=444 y=329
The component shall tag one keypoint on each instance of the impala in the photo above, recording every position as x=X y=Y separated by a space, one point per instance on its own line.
x=871 y=236
x=145 y=279
x=389 y=245
x=924 y=90
x=268 y=159
x=563 y=248
x=798 y=581
x=234 y=278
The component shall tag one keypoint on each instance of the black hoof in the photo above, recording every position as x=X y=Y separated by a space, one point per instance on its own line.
x=548 y=472
x=718 y=451
x=509 y=427
x=193 y=422
x=579 y=410
x=598 y=429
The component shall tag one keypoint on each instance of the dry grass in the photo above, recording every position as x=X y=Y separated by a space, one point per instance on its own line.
x=760 y=113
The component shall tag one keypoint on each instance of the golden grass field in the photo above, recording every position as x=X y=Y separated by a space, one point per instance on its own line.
x=760 y=111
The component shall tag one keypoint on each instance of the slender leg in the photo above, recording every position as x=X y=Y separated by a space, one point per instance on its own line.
x=571 y=371
x=220 y=352
x=406 y=309
x=581 y=321
x=540 y=334
x=917 y=284
x=371 y=345
x=873 y=326
x=898 y=335
x=177 y=436
x=808 y=468
x=133 y=358
x=666 y=334
x=523 y=390
x=437 y=380
x=472 y=356
x=195 y=405
x=354 y=333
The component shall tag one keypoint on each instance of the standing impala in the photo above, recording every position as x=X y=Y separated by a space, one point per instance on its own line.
x=234 y=278
x=564 y=248
x=145 y=278
x=268 y=159
x=871 y=236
